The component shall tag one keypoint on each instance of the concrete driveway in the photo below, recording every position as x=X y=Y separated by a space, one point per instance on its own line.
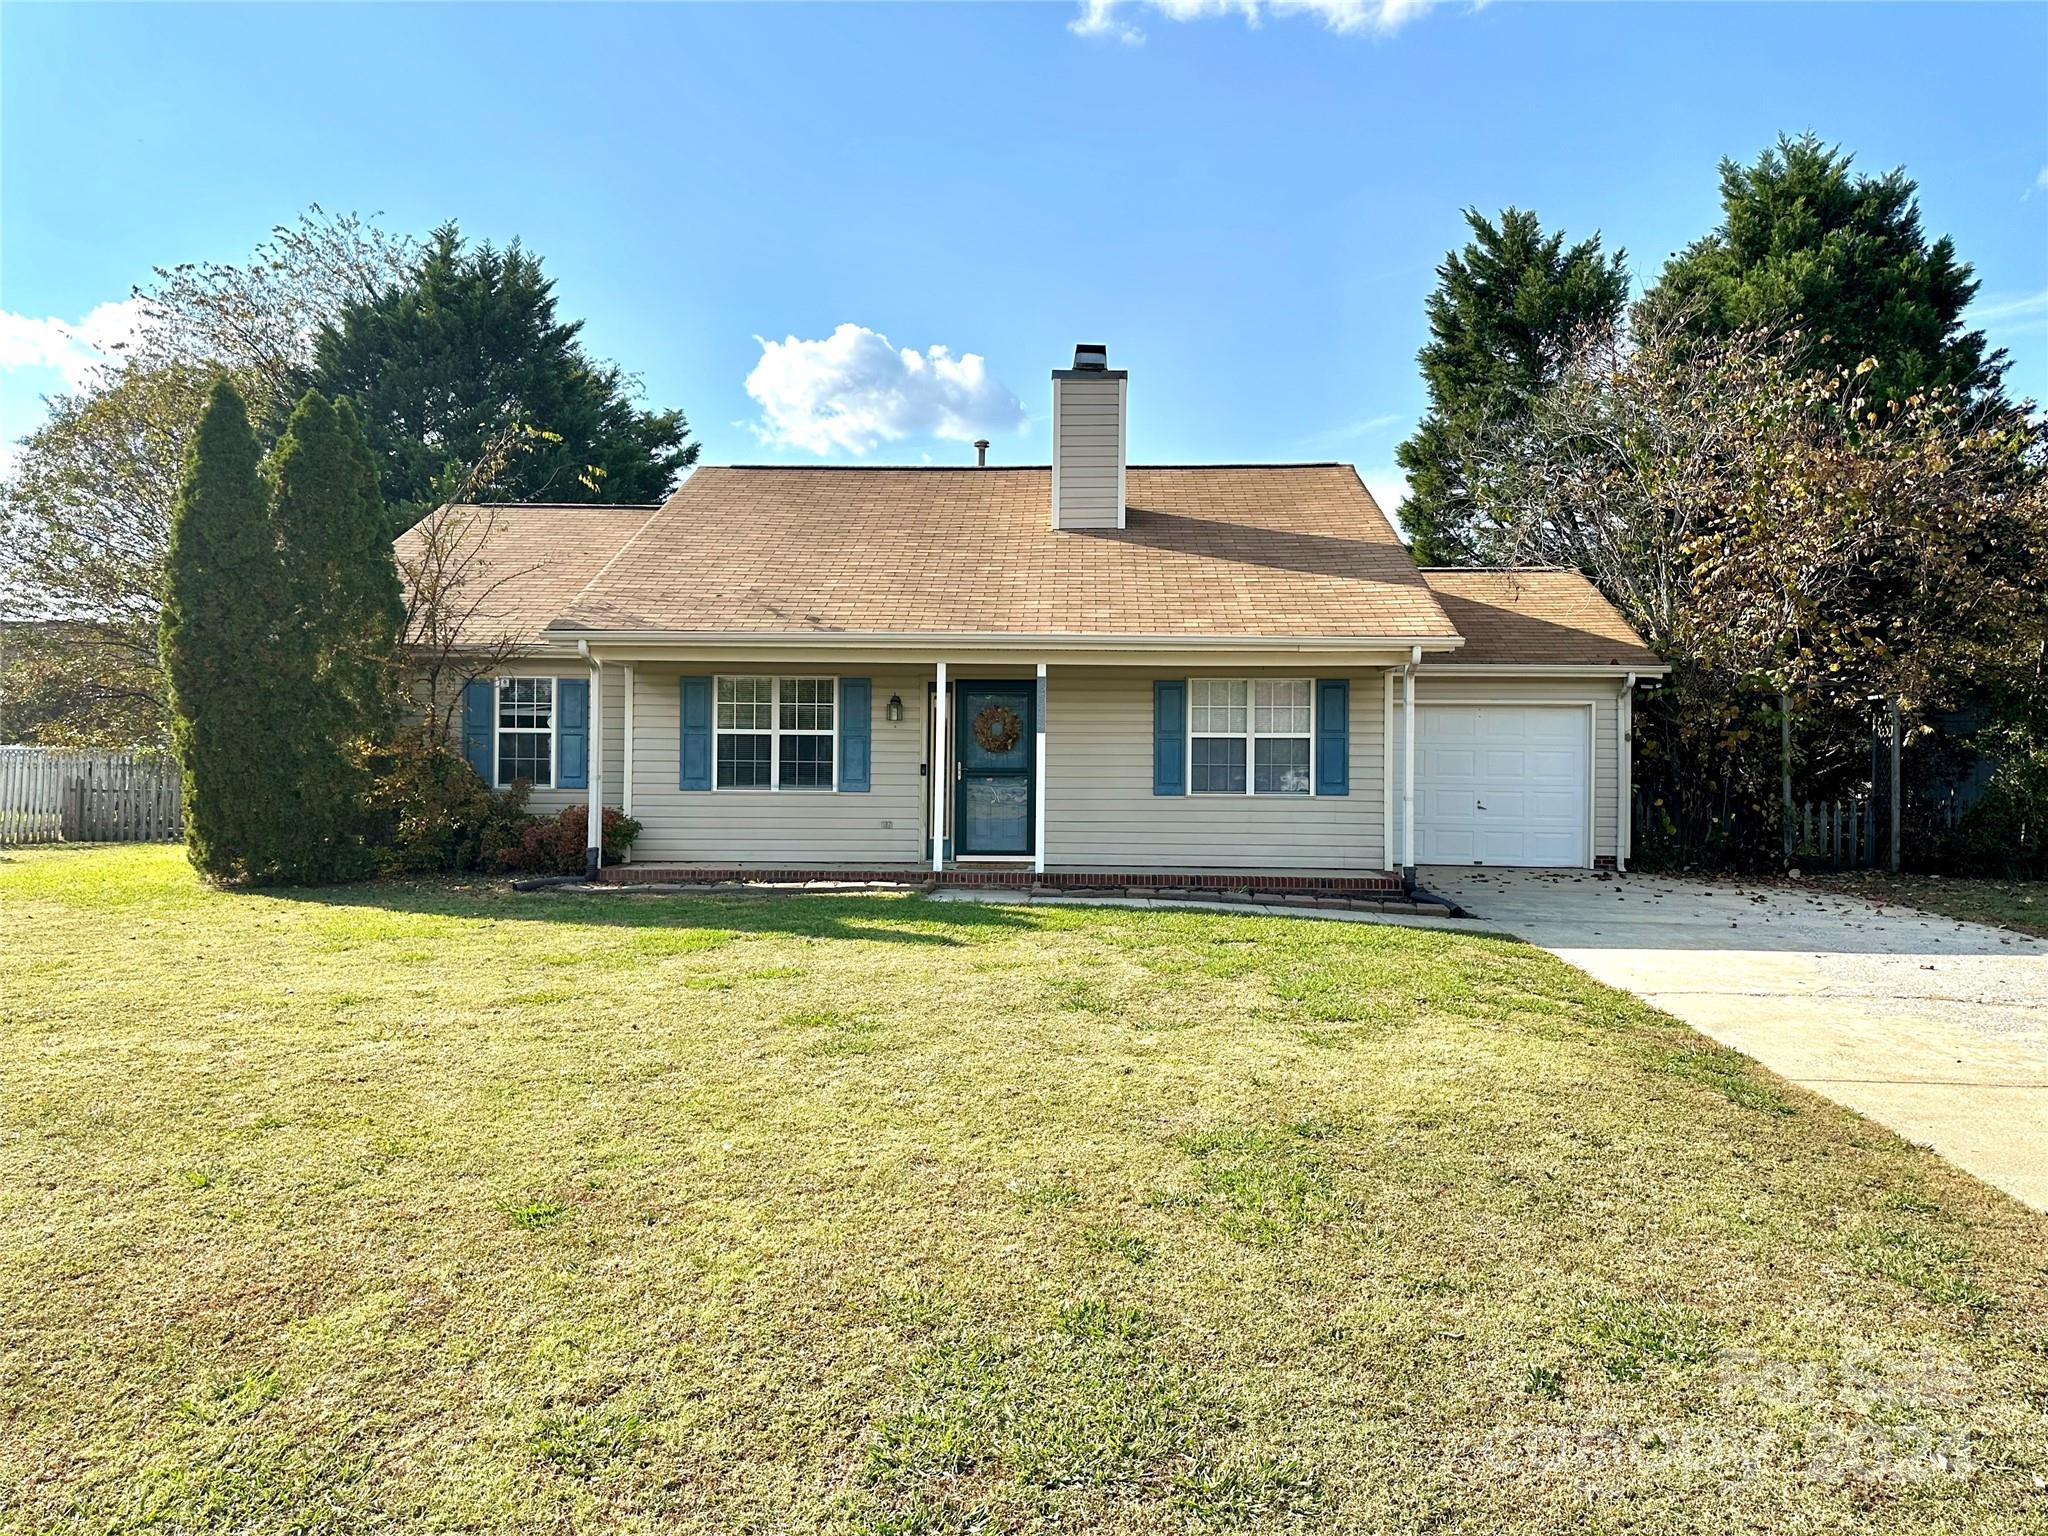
x=1936 y=1028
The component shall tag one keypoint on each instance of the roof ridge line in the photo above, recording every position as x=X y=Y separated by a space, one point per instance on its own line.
x=983 y=469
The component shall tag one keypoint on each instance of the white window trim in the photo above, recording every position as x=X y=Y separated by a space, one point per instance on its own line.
x=554 y=731
x=776 y=732
x=1250 y=737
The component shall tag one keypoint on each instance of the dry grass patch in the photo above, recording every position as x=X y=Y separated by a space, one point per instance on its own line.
x=436 y=1207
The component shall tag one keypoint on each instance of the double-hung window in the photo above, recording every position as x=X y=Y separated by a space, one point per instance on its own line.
x=776 y=732
x=526 y=730
x=1250 y=736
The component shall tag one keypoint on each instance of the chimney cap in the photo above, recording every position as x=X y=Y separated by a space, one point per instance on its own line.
x=1091 y=361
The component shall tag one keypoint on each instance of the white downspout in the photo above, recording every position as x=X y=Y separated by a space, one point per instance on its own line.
x=939 y=773
x=1408 y=767
x=593 y=847
x=1624 y=774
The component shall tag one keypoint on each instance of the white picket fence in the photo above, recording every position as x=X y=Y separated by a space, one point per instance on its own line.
x=50 y=796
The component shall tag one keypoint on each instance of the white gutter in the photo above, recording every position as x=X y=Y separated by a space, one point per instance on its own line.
x=839 y=639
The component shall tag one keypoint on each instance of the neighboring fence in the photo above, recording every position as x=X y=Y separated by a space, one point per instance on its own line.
x=1843 y=834
x=49 y=796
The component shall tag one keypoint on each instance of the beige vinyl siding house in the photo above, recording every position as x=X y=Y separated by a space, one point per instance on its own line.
x=1188 y=674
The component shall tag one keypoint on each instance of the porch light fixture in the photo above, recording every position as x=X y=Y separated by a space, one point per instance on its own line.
x=895 y=708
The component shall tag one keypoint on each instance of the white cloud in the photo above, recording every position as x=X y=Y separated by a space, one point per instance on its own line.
x=1098 y=18
x=1365 y=426
x=75 y=350
x=852 y=391
x=2018 y=308
x=1105 y=18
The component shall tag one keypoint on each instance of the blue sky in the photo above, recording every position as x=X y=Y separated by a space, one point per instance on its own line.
x=1248 y=215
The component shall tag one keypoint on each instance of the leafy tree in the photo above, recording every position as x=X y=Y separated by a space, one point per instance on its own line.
x=1790 y=541
x=468 y=349
x=84 y=520
x=1505 y=312
x=1842 y=257
x=234 y=688
x=86 y=514
x=257 y=320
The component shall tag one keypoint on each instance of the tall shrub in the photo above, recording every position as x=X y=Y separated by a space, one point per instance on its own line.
x=230 y=681
x=341 y=592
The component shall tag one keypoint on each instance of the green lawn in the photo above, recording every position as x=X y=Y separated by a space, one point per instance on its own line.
x=2021 y=905
x=438 y=1208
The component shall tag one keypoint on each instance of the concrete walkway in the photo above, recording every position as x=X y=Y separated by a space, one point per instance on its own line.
x=1936 y=1028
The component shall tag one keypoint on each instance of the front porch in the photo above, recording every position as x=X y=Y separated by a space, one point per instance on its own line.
x=1088 y=772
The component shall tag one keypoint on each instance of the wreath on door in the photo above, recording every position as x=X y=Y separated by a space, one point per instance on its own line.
x=997 y=728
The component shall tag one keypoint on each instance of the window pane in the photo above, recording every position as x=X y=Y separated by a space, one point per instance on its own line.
x=1280 y=766
x=743 y=761
x=1218 y=765
x=745 y=703
x=807 y=703
x=525 y=755
x=1282 y=706
x=526 y=702
x=1217 y=704
x=807 y=762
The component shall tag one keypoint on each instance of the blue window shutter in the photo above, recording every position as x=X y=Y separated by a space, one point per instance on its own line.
x=856 y=731
x=572 y=732
x=695 y=748
x=476 y=725
x=1333 y=736
x=1170 y=736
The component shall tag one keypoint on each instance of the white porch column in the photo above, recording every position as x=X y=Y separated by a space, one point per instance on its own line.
x=939 y=773
x=1038 y=780
x=593 y=850
x=1408 y=770
x=626 y=742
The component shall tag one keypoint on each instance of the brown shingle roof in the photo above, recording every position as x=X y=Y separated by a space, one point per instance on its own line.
x=522 y=565
x=1535 y=616
x=1210 y=551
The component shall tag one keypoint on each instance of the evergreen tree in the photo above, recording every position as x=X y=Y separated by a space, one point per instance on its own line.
x=468 y=352
x=1802 y=241
x=338 y=565
x=341 y=590
x=231 y=689
x=1501 y=320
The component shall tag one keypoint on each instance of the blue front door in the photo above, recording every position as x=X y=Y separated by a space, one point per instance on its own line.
x=995 y=750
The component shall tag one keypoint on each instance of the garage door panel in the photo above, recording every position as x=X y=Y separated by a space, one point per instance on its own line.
x=1447 y=846
x=1502 y=784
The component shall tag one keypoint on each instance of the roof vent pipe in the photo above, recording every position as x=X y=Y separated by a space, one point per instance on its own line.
x=981 y=453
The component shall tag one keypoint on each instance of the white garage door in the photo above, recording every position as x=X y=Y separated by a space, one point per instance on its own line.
x=1500 y=784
